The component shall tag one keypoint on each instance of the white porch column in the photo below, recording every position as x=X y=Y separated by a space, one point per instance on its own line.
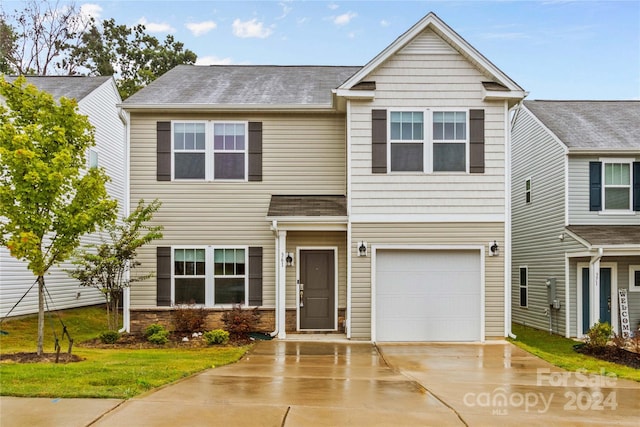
x=594 y=289
x=282 y=284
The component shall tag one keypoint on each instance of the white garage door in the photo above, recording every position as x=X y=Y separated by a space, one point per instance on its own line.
x=428 y=295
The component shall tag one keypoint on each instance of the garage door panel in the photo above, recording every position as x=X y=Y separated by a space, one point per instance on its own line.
x=428 y=295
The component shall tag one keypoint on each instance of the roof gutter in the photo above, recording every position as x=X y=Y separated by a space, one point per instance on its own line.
x=227 y=107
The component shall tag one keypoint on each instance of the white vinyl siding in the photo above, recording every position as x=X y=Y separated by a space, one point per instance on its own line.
x=435 y=82
x=15 y=277
x=302 y=154
x=412 y=235
x=579 y=213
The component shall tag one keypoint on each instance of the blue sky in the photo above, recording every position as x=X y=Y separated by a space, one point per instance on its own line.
x=555 y=49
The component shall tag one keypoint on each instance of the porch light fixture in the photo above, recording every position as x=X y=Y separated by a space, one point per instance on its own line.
x=494 y=250
x=362 y=248
x=289 y=259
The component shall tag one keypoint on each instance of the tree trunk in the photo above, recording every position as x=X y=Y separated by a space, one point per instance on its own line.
x=40 y=315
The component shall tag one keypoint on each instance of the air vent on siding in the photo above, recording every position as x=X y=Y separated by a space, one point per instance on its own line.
x=427 y=43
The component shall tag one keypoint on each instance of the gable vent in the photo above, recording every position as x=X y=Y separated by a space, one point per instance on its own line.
x=427 y=43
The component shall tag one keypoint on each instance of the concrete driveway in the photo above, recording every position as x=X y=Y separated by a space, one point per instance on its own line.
x=353 y=384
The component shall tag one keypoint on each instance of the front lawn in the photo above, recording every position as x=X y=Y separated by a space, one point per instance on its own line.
x=105 y=373
x=559 y=351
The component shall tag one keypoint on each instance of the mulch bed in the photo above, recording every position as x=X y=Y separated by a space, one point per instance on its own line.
x=612 y=354
x=44 y=357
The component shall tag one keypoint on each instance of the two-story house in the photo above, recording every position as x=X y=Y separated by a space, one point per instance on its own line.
x=98 y=99
x=576 y=214
x=367 y=200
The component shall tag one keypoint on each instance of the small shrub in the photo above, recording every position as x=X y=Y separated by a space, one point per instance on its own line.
x=160 y=337
x=240 y=322
x=109 y=337
x=598 y=336
x=635 y=342
x=217 y=336
x=153 y=329
x=619 y=340
x=189 y=318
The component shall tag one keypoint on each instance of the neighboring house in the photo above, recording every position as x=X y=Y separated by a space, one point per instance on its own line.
x=362 y=200
x=576 y=213
x=98 y=99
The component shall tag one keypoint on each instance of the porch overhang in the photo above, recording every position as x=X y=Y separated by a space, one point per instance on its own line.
x=308 y=212
x=614 y=239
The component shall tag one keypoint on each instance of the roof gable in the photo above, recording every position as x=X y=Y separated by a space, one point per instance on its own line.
x=591 y=125
x=432 y=35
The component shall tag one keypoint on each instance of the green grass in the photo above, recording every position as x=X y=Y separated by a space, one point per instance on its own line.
x=559 y=351
x=105 y=373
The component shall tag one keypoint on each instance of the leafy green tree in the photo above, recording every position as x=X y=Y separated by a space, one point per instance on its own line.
x=107 y=267
x=136 y=57
x=48 y=200
x=8 y=39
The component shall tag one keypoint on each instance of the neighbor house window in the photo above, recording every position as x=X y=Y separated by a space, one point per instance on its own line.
x=209 y=150
x=527 y=191
x=524 y=280
x=428 y=141
x=449 y=141
x=93 y=158
x=189 y=276
x=617 y=186
x=634 y=278
x=229 y=276
x=210 y=276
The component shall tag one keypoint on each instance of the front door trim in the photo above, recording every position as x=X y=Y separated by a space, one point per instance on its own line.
x=335 y=286
x=614 y=295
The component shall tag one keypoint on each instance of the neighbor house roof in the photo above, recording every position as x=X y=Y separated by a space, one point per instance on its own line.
x=591 y=125
x=242 y=86
x=76 y=87
x=607 y=235
x=305 y=206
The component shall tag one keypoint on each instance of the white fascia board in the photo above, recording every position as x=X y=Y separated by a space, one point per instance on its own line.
x=605 y=151
x=442 y=29
x=226 y=107
x=579 y=239
x=494 y=95
x=355 y=94
x=426 y=218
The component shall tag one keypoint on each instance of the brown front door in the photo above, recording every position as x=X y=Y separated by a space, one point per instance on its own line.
x=317 y=289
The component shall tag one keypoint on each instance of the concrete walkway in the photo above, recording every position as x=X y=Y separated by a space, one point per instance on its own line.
x=353 y=384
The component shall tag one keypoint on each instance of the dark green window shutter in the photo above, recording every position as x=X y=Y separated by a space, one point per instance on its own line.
x=255 y=151
x=379 y=141
x=163 y=276
x=255 y=276
x=636 y=186
x=163 y=151
x=476 y=141
x=595 y=186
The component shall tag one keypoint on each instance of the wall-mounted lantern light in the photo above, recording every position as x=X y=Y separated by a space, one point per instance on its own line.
x=494 y=250
x=289 y=259
x=362 y=248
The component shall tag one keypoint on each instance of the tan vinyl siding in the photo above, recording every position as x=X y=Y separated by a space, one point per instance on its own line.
x=306 y=239
x=302 y=154
x=579 y=213
x=427 y=82
x=422 y=234
x=537 y=225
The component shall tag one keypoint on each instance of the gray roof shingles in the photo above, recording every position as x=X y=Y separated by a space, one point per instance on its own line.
x=292 y=206
x=243 y=85
x=591 y=124
x=604 y=235
x=76 y=87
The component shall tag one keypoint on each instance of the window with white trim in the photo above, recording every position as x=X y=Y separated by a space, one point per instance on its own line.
x=524 y=282
x=210 y=275
x=428 y=141
x=634 y=278
x=617 y=186
x=93 y=158
x=527 y=191
x=205 y=150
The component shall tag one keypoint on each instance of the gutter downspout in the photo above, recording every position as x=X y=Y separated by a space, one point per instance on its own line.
x=507 y=222
x=126 y=304
x=274 y=228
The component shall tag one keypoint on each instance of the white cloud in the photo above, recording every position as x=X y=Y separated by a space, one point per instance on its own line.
x=286 y=9
x=200 y=28
x=156 y=27
x=90 y=10
x=384 y=23
x=333 y=6
x=213 y=60
x=344 y=19
x=250 y=29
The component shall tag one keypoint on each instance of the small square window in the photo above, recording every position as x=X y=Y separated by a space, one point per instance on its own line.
x=634 y=278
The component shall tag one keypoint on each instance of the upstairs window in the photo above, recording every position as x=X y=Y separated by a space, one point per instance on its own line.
x=229 y=142
x=407 y=141
x=617 y=186
x=449 y=141
x=189 y=148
